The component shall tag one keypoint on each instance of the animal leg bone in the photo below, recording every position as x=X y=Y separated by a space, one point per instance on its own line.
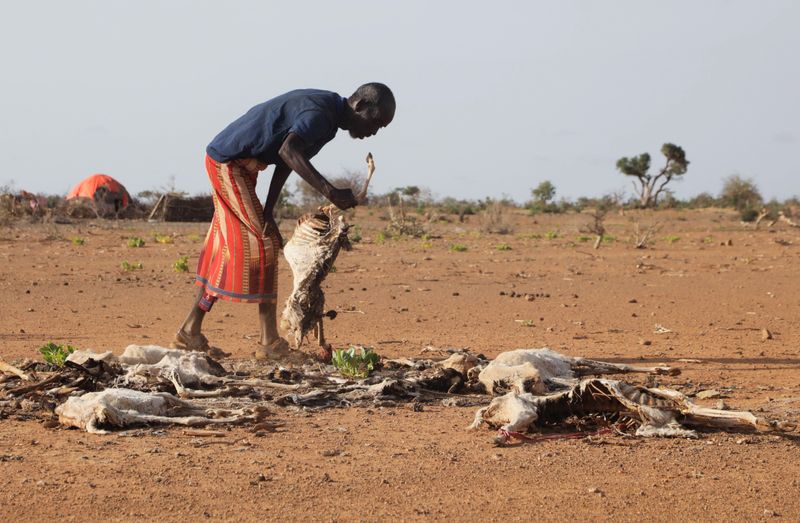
x=185 y=393
x=362 y=195
x=6 y=367
x=320 y=333
x=583 y=367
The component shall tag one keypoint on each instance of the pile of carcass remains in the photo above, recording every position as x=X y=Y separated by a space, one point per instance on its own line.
x=518 y=392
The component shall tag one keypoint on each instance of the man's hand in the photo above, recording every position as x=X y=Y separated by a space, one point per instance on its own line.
x=343 y=198
x=272 y=226
x=292 y=152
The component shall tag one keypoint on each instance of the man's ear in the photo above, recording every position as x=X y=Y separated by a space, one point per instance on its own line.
x=361 y=104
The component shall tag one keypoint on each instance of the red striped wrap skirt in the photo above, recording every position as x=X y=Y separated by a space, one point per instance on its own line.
x=239 y=260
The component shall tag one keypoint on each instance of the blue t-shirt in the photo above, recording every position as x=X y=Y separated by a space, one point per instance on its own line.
x=312 y=114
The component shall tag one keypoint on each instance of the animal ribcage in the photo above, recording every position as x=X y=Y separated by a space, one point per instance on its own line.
x=311 y=228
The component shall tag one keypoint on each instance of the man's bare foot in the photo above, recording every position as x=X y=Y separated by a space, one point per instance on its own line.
x=280 y=351
x=197 y=342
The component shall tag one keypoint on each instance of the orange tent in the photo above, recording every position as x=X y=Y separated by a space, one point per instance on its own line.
x=87 y=187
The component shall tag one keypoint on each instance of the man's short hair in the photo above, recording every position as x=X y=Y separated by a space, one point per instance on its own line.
x=377 y=95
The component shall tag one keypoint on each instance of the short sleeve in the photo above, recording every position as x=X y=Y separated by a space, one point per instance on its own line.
x=314 y=127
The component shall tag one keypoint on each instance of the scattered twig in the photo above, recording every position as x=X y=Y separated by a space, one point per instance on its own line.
x=204 y=433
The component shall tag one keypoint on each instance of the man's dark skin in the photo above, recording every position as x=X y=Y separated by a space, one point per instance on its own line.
x=361 y=119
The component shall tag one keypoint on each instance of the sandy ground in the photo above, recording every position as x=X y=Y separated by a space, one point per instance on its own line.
x=402 y=295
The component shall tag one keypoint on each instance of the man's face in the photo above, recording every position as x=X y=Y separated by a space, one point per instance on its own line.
x=369 y=121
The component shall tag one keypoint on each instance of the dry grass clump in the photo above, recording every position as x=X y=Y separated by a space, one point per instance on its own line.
x=494 y=219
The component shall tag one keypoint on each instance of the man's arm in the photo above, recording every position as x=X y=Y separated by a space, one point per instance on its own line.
x=292 y=152
x=279 y=178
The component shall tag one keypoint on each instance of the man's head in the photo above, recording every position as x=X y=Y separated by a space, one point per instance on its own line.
x=371 y=108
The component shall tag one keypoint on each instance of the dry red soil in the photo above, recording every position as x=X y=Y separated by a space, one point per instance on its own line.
x=405 y=294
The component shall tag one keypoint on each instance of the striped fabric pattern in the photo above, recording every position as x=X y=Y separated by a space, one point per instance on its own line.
x=239 y=260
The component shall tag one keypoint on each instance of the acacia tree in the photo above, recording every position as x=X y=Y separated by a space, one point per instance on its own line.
x=650 y=186
x=544 y=192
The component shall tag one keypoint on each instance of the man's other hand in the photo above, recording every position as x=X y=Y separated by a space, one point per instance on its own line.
x=273 y=227
x=343 y=198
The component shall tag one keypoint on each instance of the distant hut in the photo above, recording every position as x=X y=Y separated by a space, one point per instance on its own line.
x=106 y=194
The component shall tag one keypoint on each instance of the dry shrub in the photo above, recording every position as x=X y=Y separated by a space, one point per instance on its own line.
x=494 y=219
x=597 y=225
x=644 y=235
x=400 y=223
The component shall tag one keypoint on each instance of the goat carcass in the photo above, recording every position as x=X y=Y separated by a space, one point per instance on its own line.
x=659 y=412
x=95 y=412
x=311 y=252
x=537 y=370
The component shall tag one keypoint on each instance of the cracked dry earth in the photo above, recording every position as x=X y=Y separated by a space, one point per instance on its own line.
x=712 y=300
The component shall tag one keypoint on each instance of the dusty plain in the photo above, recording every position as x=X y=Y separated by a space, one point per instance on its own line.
x=714 y=284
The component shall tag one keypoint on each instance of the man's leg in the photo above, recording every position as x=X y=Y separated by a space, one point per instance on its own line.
x=268 y=319
x=190 y=336
x=192 y=325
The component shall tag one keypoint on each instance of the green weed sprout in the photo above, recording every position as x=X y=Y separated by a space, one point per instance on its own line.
x=671 y=239
x=503 y=247
x=354 y=364
x=551 y=235
x=182 y=264
x=458 y=247
x=135 y=242
x=77 y=240
x=128 y=267
x=163 y=238
x=56 y=354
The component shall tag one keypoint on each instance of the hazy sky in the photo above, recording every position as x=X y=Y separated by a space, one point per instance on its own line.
x=493 y=97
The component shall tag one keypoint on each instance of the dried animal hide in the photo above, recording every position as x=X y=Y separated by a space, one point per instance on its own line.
x=659 y=412
x=96 y=412
x=311 y=253
x=540 y=370
x=148 y=367
x=145 y=363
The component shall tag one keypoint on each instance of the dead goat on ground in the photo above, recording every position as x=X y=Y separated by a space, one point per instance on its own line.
x=654 y=411
x=95 y=412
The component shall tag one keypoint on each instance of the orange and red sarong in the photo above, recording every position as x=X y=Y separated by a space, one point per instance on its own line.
x=239 y=260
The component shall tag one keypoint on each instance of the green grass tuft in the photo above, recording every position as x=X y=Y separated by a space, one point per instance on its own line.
x=55 y=354
x=135 y=242
x=354 y=364
x=128 y=267
x=182 y=264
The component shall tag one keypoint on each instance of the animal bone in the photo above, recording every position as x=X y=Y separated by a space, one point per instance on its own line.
x=94 y=412
x=660 y=412
x=530 y=370
x=461 y=362
x=361 y=196
x=7 y=367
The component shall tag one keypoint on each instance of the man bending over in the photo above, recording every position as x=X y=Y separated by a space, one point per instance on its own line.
x=239 y=258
